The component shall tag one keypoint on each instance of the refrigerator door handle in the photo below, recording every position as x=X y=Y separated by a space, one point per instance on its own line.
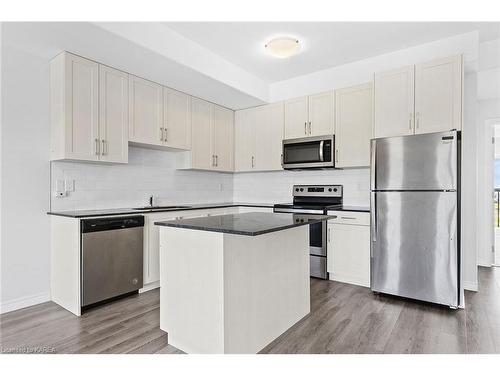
x=373 y=156
x=373 y=216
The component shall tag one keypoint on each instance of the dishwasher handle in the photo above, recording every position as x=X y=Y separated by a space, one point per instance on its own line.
x=99 y=225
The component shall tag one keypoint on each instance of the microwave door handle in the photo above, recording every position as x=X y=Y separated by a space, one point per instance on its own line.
x=321 y=156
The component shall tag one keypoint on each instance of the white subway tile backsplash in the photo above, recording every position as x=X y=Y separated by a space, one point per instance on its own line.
x=152 y=172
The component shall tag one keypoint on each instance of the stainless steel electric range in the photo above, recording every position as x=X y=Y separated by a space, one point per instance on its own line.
x=314 y=200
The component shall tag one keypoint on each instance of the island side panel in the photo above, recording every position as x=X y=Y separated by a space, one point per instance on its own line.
x=266 y=287
x=191 y=289
x=65 y=263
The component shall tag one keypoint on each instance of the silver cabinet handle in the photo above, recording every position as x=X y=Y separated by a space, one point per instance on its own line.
x=309 y=127
x=166 y=134
x=213 y=160
x=104 y=149
x=329 y=236
x=305 y=127
x=348 y=217
x=97 y=146
x=216 y=160
x=253 y=161
x=336 y=156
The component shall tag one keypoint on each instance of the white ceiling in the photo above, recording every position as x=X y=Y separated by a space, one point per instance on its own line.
x=325 y=44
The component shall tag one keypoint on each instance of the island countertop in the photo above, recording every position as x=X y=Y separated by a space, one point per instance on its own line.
x=246 y=224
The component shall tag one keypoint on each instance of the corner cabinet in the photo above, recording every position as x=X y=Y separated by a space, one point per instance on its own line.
x=348 y=246
x=353 y=125
x=422 y=98
x=309 y=116
x=212 y=139
x=88 y=110
x=258 y=138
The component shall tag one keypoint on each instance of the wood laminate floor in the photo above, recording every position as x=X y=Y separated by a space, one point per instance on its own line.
x=343 y=319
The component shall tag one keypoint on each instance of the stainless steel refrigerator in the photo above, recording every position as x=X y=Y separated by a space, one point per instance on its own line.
x=415 y=217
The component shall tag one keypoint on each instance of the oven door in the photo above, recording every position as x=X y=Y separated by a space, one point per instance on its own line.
x=317 y=235
x=312 y=152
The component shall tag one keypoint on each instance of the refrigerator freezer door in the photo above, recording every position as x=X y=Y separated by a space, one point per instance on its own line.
x=414 y=245
x=415 y=162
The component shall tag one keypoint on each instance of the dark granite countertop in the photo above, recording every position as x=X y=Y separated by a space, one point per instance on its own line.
x=246 y=224
x=130 y=211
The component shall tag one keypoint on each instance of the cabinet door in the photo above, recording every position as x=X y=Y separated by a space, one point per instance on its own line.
x=113 y=114
x=245 y=123
x=353 y=125
x=269 y=137
x=349 y=258
x=177 y=119
x=321 y=114
x=438 y=95
x=223 y=137
x=393 y=104
x=146 y=111
x=201 y=136
x=296 y=118
x=81 y=106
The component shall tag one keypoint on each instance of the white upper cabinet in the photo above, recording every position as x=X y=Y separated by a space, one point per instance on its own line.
x=309 y=116
x=201 y=140
x=353 y=125
x=113 y=115
x=146 y=112
x=258 y=138
x=269 y=137
x=177 y=119
x=393 y=102
x=296 y=118
x=245 y=122
x=438 y=95
x=321 y=114
x=74 y=108
x=223 y=139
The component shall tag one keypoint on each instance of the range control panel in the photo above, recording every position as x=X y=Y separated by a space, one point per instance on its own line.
x=317 y=190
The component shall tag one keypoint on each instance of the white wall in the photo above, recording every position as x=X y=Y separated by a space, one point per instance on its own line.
x=276 y=187
x=148 y=172
x=25 y=177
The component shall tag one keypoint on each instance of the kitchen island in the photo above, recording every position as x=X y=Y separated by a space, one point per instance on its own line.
x=233 y=283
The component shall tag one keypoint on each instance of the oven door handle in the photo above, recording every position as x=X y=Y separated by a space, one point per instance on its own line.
x=297 y=211
x=321 y=156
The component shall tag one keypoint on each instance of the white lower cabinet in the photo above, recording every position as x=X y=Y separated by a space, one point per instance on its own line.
x=152 y=236
x=349 y=247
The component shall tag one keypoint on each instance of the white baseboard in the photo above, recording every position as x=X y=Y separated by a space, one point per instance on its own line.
x=22 y=302
x=348 y=279
x=472 y=286
x=151 y=286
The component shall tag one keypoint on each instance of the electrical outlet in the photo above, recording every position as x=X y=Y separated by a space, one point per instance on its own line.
x=69 y=185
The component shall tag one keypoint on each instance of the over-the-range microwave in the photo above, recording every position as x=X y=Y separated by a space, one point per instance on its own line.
x=310 y=152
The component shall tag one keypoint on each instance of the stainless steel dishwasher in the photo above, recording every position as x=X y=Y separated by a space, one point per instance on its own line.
x=112 y=257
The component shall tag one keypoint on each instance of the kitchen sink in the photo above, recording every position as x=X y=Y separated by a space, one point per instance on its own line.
x=159 y=207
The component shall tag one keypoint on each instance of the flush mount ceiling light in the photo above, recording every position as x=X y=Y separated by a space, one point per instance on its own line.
x=282 y=47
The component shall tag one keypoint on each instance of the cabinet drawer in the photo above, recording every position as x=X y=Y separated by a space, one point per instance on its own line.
x=350 y=217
